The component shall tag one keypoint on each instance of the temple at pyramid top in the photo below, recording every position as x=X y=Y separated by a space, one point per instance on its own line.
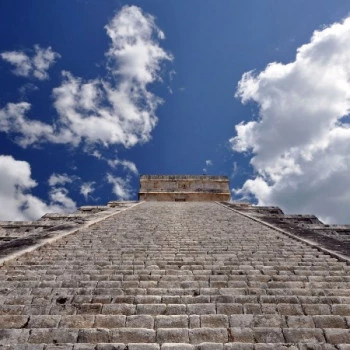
x=184 y=188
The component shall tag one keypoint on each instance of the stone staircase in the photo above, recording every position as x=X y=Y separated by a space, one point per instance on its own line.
x=174 y=275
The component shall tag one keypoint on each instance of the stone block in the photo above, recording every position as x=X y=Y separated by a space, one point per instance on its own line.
x=202 y=335
x=214 y=321
x=123 y=299
x=151 y=309
x=289 y=309
x=93 y=335
x=241 y=335
x=317 y=346
x=55 y=310
x=317 y=309
x=101 y=299
x=11 y=310
x=174 y=321
x=59 y=347
x=172 y=335
x=171 y=299
x=303 y=335
x=238 y=346
x=179 y=346
x=140 y=321
x=175 y=309
x=194 y=321
x=13 y=336
x=268 y=308
x=329 y=321
x=268 y=335
x=341 y=309
x=229 y=308
x=201 y=309
x=110 y=346
x=82 y=346
x=133 y=335
x=241 y=320
x=268 y=321
x=49 y=335
x=271 y=346
x=109 y=321
x=337 y=336
x=118 y=309
x=211 y=346
x=13 y=321
x=300 y=322
x=143 y=346
x=148 y=299
x=23 y=347
x=250 y=308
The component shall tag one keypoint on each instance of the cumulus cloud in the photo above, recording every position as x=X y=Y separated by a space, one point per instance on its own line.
x=121 y=187
x=86 y=188
x=17 y=201
x=300 y=143
x=116 y=110
x=35 y=65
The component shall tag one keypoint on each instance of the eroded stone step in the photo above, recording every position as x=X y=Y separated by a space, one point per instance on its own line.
x=175 y=335
x=172 y=321
x=59 y=308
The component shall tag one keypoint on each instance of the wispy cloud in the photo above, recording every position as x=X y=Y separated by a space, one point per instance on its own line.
x=121 y=187
x=33 y=66
x=125 y=164
x=300 y=145
x=86 y=188
x=208 y=164
x=60 y=179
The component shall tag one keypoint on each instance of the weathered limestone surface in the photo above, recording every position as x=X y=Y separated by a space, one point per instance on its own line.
x=20 y=235
x=184 y=188
x=168 y=275
x=335 y=238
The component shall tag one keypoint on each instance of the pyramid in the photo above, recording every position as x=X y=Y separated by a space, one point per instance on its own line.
x=182 y=268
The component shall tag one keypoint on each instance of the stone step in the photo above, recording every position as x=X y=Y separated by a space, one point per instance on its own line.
x=192 y=296
x=173 y=321
x=177 y=346
x=175 y=276
x=63 y=308
x=196 y=336
x=266 y=301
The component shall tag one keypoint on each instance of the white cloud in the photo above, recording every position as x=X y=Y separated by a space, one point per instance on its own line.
x=126 y=164
x=13 y=120
x=121 y=187
x=300 y=144
x=96 y=154
x=26 y=89
x=35 y=66
x=86 y=188
x=16 y=201
x=59 y=179
x=116 y=110
x=60 y=202
x=208 y=163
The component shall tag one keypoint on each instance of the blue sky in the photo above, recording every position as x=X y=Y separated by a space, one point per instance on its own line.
x=95 y=93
